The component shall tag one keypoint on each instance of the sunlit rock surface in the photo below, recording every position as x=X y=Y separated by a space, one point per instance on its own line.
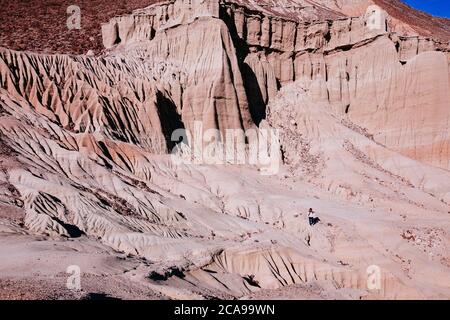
x=362 y=113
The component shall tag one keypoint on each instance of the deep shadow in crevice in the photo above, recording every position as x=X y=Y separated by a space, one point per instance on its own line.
x=240 y=44
x=169 y=118
x=250 y=279
x=255 y=98
x=72 y=230
x=347 y=108
x=327 y=36
x=116 y=33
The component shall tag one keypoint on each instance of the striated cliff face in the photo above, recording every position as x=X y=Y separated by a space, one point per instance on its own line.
x=190 y=35
x=363 y=114
x=375 y=77
x=119 y=98
x=367 y=71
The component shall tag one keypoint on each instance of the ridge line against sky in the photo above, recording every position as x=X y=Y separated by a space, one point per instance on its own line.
x=440 y=8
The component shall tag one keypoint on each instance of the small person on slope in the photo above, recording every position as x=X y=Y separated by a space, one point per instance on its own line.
x=312 y=217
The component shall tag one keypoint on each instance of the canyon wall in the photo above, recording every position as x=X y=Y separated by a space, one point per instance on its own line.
x=221 y=62
x=83 y=143
x=372 y=75
x=191 y=36
x=117 y=98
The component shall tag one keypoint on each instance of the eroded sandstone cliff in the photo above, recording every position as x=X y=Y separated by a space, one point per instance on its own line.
x=371 y=68
x=363 y=115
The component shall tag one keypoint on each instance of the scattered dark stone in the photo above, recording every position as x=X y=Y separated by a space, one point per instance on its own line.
x=173 y=271
x=99 y=296
x=252 y=281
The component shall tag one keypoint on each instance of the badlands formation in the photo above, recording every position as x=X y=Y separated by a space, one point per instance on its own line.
x=358 y=92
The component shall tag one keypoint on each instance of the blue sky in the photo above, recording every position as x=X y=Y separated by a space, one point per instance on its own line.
x=435 y=7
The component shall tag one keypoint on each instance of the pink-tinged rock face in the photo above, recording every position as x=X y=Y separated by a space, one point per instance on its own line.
x=351 y=101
